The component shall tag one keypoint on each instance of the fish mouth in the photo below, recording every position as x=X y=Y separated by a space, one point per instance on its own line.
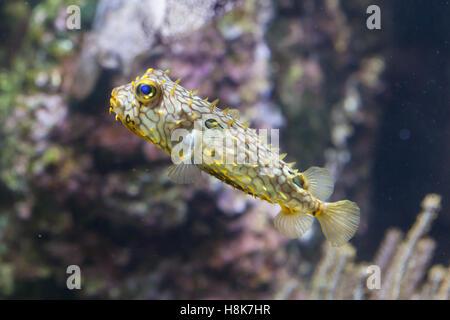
x=115 y=105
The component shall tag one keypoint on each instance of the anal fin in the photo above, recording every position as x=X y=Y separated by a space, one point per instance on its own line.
x=292 y=224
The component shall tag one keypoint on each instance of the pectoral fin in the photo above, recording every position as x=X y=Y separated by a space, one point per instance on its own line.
x=184 y=173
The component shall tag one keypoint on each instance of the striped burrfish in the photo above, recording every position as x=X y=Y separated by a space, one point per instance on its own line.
x=200 y=136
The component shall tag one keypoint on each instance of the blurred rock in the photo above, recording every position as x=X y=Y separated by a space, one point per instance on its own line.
x=124 y=30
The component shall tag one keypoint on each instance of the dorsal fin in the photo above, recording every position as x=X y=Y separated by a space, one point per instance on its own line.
x=291 y=164
x=319 y=182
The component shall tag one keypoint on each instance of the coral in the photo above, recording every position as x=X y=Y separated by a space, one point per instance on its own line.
x=402 y=261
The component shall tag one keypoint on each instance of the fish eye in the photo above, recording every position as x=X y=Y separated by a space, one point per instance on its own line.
x=147 y=90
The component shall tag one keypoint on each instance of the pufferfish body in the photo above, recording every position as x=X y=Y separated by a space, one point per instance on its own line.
x=199 y=136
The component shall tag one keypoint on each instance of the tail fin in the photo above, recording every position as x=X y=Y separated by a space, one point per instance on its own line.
x=292 y=224
x=339 y=221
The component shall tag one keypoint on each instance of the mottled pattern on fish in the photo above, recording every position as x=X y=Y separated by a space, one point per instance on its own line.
x=154 y=106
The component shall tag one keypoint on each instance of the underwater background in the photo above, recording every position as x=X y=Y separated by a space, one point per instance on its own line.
x=76 y=188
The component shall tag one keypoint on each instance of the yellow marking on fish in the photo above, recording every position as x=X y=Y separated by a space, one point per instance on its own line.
x=252 y=190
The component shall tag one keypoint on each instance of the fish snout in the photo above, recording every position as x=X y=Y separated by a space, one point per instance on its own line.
x=115 y=102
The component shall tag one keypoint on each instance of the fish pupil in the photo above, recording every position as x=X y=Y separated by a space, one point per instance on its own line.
x=146 y=89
